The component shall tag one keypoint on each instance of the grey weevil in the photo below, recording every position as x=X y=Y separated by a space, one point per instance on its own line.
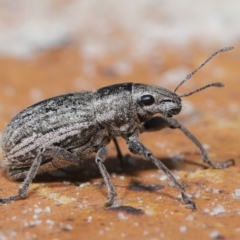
x=65 y=129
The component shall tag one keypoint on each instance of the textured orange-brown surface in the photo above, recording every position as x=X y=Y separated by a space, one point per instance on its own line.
x=71 y=205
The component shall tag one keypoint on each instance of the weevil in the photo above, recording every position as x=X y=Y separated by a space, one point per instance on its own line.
x=65 y=129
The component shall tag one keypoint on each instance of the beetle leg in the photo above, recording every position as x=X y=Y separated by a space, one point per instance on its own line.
x=26 y=183
x=62 y=154
x=55 y=153
x=119 y=152
x=158 y=123
x=138 y=148
x=100 y=158
x=58 y=155
x=155 y=124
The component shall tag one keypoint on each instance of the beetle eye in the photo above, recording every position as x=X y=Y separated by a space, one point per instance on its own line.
x=147 y=100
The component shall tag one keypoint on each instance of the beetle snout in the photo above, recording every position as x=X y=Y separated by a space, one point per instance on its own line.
x=173 y=108
x=174 y=111
x=177 y=109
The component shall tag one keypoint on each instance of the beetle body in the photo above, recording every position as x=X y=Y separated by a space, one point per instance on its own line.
x=79 y=122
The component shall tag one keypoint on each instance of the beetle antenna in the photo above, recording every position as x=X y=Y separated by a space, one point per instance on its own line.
x=216 y=84
x=206 y=61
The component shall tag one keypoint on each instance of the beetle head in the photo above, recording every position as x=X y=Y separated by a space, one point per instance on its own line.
x=152 y=99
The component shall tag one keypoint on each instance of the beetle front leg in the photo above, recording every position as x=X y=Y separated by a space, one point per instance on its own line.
x=100 y=158
x=137 y=147
x=158 y=123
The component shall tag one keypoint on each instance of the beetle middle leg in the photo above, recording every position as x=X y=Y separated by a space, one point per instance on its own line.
x=100 y=158
x=138 y=148
x=55 y=153
x=158 y=123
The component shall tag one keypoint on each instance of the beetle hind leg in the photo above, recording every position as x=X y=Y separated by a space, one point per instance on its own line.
x=56 y=153
x=22 y=193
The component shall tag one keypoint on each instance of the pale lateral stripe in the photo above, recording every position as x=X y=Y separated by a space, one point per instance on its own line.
x=27 y=144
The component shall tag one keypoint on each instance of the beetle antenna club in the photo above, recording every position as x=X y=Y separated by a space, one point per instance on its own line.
x=204 y=63
x=216 y=84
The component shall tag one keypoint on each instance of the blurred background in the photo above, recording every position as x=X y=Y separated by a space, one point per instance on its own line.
x=99 y=28
x=52 y=47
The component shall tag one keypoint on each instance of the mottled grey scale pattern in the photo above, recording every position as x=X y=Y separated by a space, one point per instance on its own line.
x=78 y=122
x=115 y=109
x=42 y=124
